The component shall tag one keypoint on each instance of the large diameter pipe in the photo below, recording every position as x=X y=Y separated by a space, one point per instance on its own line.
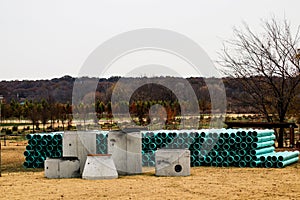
x=281 y=164
x=261 y=133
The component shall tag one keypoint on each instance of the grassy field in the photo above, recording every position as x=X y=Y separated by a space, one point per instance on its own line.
x=204 y=183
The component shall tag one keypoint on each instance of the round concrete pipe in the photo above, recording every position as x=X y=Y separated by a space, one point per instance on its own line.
x=281 y=164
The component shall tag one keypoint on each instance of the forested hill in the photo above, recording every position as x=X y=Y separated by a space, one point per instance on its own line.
x=60 y=89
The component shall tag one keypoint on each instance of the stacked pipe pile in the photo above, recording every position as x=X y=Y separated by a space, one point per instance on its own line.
x=41 y=146
x=101 y=142
x=223 y=147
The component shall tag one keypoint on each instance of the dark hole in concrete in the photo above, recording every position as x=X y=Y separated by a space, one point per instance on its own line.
x=178 y=168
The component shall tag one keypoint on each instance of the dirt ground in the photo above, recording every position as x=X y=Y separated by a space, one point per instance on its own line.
x=204 y=183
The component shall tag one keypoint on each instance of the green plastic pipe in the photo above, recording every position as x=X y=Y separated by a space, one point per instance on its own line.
x=262 y=144
x=237 y=158
x=264 y=139
x=226 y=146
x=248 y=158
x=261 y=133
x=264 y=150
x=29 y=147
x=230 y=159
x=255 y=163
x=287 y=156
x=219 y=159
x=268 y=164
x=243 y=145
x=27 y=153
x=231 y=141
x=242 y=163
x=242 y=152
x=281 y=164
x=249 y=139
x=29 y=136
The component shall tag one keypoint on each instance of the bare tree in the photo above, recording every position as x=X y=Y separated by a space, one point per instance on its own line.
x=267 y=65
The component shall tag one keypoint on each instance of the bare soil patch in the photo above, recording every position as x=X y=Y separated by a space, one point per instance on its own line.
x=204 y=183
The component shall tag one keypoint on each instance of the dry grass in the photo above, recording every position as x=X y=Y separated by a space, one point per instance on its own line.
x=204 y=183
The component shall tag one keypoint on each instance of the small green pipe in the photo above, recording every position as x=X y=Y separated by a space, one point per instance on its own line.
x=264 y=150
x=262 y=144
x=281 y=164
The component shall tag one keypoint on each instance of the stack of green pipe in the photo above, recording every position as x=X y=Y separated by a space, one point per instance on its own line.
x=279 y=159
x=217 y=147
x=40 y=146
x=101 y=142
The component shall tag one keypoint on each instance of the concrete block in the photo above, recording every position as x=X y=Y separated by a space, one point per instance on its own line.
x=172 y=162
x=62 y=168
x=79 y=144
x=99 y=166
x=126 y=151
x=69 y=144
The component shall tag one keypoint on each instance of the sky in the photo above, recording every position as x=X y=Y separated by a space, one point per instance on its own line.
x=50 y=39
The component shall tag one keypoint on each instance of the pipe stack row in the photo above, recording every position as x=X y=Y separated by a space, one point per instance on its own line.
x=222 y=147
x=41 y=146
x=278 y=159
x=101 y=142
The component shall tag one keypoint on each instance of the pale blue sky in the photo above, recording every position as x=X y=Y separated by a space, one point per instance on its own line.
x=47 y=39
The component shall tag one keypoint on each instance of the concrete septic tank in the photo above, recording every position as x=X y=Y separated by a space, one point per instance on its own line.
x=99 y=166
x=126 y=150
x=172 y=162
x=62 y=168
x=79 y=144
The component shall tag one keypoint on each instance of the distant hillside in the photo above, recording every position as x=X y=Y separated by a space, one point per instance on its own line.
x=60 y=90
